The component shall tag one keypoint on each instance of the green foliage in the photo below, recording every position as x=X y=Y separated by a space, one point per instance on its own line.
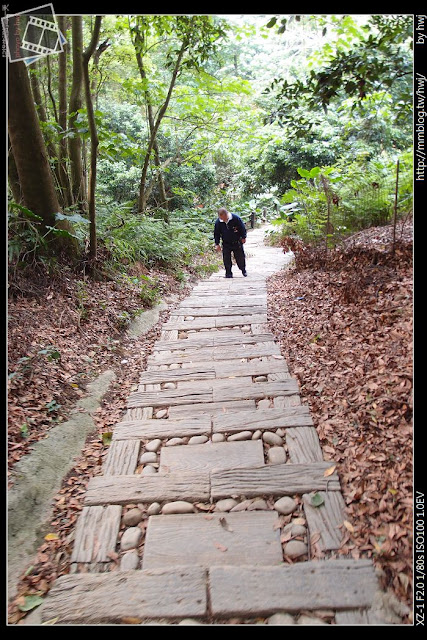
x=356 y=195
x=375 y=56
x=132 y=237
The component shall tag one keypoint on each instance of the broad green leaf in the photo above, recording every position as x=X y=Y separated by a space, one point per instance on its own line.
x=106 y=438
x=317 y=500
x=75 y=217
x=24 y=210
x=31 y=602
x=314 y=172
x=303 y=172
x=61 y=232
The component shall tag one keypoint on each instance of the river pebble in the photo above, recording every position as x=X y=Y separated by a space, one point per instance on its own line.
x=281 y=618
x=225 y=505
x=132 y=517
x=175 y=441
x=218 y=437
x=130 y=538
x=295 y=549
x=272 y=438
x=147 y=456
x=129 y=561
x=153 y=509
x=276 y=455
x=148 y=470
x=242 y=435
x=179 y=506
x=198 y=439
x=153 y=445
x=285 y=505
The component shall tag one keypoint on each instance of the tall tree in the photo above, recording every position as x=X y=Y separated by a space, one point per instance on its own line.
x=62 y=117
x=30 y=155
x=78 y=183
x=94 y=142
x=141 y=48
x=192 y=39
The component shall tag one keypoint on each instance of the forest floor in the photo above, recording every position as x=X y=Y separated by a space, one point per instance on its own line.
x=345 y=329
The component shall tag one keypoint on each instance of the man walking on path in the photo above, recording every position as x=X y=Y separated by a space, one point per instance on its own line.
x=232 y=230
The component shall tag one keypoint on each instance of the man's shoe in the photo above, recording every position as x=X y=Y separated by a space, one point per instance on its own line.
x=244 y=273
x=228 y=275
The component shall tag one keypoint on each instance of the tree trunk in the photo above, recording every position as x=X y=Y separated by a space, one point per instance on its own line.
x=93 y=135
x=139 y=41
x=14 y=184
x=62 y=117
x=41 y=110
x=142 y=203
x=78 y=185
x=30 y=154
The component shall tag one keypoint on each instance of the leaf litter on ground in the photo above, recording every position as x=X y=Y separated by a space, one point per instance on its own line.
x=344 y=323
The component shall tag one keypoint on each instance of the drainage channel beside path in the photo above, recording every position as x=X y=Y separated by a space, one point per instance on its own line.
x=215 y=499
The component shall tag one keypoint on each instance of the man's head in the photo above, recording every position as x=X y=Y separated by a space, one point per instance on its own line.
x=223 y=214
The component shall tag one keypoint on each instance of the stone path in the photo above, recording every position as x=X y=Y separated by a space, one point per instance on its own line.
x=205 y=508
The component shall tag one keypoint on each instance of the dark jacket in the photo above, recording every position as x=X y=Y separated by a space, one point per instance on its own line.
x=230 y=231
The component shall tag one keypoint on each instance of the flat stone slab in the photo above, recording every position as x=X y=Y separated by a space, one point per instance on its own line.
x=177 y=375
x=279 y=479
x=209 y=409
x=263 y=419
x=219 y=300
x=149 y=429
x=303 y=445
x=210 y=339
x=167 y=397
x=327 y=519
x=226 y=320
x=331 y=584
x=122 y=458
x=147 y=488
x=109 y=597
x=209 y=354
x=205 y=457
x=210 y=539
x=219 y=311
x=96 y=533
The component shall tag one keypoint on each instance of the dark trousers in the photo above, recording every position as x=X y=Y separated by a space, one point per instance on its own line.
x=239 y=255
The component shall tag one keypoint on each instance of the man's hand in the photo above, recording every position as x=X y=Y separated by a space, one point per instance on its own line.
x=217 y=247
x=243 y=240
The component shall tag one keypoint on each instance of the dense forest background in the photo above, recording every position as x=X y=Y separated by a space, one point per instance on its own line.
x=146 y=124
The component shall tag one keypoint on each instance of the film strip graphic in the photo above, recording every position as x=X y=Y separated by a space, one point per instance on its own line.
x=47 y=29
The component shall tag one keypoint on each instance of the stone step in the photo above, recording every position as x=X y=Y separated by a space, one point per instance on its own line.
x=212 y=409
x=209 y=354
x=208 y=456
x=266 y=419
x=210 y=339
x=227 y=320
x=279 y=479
x=345 y=586
x=208 y=371
x=96 y=533
x=113 y=597
x=150 y=488
x=332 y=584
x=213 y=391
x=212 y=539
x=149 y=429
x=218 y=311
x=326 y=519
x=219 y=301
